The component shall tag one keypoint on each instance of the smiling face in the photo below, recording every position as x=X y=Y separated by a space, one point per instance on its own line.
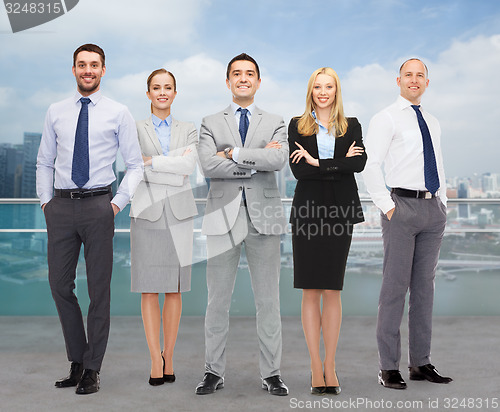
x=413 y=81
x=88 y=70
x=243 y=82
x=162 y=94
x=324 y=90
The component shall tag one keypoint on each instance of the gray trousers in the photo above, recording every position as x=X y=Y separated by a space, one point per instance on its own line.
x=71 y=222
x=263 y=255
x=412 y=239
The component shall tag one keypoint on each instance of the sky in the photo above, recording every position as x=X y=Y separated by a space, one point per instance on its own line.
x=365 y=41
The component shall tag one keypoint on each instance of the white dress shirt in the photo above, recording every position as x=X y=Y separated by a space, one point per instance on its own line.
x=111 y=126
x=394 y=138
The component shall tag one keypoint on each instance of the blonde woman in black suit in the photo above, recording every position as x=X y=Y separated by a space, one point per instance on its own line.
x=326 y=150
x=161 y=229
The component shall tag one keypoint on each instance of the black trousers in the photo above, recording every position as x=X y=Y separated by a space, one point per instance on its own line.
x=71 y=222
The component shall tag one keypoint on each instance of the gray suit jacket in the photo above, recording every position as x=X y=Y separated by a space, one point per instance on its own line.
x=169 y=180
x=229 y=179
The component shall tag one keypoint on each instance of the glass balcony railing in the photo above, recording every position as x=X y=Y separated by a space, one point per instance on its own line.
x=467 y=279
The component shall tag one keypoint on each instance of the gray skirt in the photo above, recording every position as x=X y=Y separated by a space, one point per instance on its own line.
x=156 y=254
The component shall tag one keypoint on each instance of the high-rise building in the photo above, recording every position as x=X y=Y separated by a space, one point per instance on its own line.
x=463 y=193
x=11 y=160
x=30 y=147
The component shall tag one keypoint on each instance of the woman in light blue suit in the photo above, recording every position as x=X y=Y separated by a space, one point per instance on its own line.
x=161 y=228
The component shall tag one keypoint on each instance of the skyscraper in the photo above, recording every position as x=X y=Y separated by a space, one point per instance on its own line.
x=30 y=147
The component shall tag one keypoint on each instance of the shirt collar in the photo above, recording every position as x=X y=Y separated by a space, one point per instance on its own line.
x=235 y=107
x=404 y=103
x=157 y=121
x=317 y=121
x=94 y=97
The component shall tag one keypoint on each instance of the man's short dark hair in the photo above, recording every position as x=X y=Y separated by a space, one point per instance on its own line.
x=90 y=48
x=242 y=56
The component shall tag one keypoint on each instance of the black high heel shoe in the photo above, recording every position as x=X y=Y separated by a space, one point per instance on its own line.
x=334 y=390
x=317 y=390
x=157 y=381
x=167 y=378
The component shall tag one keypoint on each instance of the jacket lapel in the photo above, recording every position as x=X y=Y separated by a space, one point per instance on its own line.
x=174 y=135
x=254 y=124
x=231 y=123
x=150 y=130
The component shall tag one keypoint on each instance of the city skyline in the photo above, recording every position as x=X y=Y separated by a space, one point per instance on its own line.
x=364 y=41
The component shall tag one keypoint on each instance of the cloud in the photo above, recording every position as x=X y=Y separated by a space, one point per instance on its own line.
x=130 y=25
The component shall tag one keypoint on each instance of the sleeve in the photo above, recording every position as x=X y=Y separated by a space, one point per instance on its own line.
x=378 y=141
x=302 y=169
x=266 y=159
x=354 y=164
x=45 y=161
x=214 y=166
x=131 y=154
x=177 y=163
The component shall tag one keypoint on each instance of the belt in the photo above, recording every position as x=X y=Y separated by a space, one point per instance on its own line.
x=82 y=193
x=417 y=194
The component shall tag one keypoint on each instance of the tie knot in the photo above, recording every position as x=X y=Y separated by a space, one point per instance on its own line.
x=243 y=111
x=416 y=107
x=85 y=100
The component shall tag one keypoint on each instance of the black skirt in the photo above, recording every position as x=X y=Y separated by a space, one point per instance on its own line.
x=320 y=250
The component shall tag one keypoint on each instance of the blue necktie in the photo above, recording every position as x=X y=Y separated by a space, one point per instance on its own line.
x=430 y=168
x=243 y=125
x=80 y=167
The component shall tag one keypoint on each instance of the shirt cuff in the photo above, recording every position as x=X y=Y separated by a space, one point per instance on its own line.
x=120 y=200
x=236 y=153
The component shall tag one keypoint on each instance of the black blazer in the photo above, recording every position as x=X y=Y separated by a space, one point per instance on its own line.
x=332 y=184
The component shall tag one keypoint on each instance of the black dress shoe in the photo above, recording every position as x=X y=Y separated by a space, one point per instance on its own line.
x=427 y=372
x=391 y=379
x=89 y=382
x=167 y=378
x=317 y=390
x=334 y=390
x=156 y=381
x=275 y=385
x=75 y=374
x=209 y=384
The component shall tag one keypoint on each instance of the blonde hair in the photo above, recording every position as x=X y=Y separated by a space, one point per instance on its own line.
x=306 y=124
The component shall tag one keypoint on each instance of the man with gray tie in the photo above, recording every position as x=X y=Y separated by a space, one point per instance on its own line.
x=80 y=140
x=407 y=139
x=240 y=149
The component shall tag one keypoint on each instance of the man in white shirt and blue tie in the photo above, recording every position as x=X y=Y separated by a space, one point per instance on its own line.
x=80 y=140
x=407 y=139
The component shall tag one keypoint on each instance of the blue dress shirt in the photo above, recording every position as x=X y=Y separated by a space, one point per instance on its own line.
x=163 y=130
x=326 y=141
x=111 y=126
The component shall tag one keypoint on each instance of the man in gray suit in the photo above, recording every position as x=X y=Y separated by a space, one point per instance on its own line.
x=240 y=149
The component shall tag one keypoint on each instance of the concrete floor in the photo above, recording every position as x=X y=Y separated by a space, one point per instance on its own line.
x=32 y=357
